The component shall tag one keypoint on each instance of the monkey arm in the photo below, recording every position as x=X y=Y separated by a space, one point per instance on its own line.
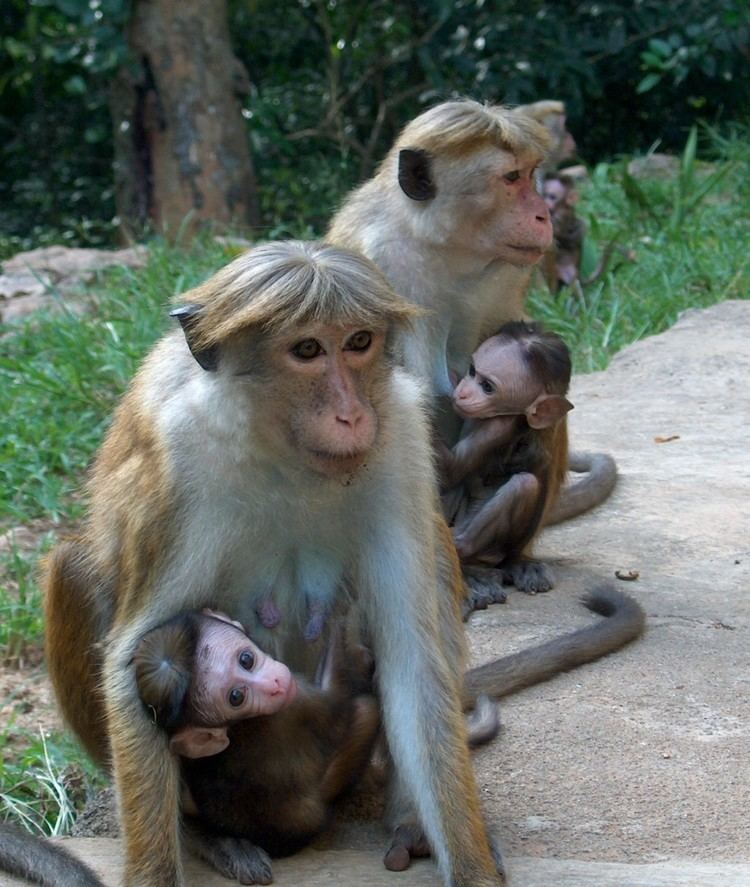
x=409 y=585
x=497 y=526
x=146 y=775
x=470 y=453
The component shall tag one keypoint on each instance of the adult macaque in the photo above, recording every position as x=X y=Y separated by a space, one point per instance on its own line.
x=219 y=696
x=273 y=454
x=551 y=114
x=454 y=221
x=271 y=451
x=495 y=477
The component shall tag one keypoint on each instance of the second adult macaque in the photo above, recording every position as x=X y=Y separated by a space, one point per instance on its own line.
x=495 y=479
x=216 y=694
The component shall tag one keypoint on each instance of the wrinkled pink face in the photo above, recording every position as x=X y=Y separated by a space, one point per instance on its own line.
x=316 y=394
x=234 y=679
x=495 y=210
x=553 y=193
x=498 y=382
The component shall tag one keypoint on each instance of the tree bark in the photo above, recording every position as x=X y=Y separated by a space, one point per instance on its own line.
x=182 y=157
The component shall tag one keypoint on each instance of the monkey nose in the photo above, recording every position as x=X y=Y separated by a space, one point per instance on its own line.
x=351 y=420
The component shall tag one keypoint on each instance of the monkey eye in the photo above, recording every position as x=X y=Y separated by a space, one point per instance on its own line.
x=472 y=370
x=512 y=176
x=487 y=386
x=236 y=697
x=247 y=660
x=307 y=349
x=360 y=341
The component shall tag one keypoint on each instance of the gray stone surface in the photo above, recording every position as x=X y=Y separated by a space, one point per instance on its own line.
x=634 y=770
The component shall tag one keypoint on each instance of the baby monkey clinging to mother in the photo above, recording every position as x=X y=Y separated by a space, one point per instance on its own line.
x=495 y=479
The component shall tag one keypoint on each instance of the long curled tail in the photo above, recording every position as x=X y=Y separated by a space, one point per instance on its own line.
x=41 y=862
x=589 y=491
x=624 y=621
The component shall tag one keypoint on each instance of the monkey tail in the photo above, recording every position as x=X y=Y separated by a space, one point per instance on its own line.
x=624 y=621
x=582 y=495
x=483 y=723
x=42 y=862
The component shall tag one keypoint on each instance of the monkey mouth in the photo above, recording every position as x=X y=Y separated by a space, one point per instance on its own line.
x=532 y=252
x=463 y=414
x=334 y=464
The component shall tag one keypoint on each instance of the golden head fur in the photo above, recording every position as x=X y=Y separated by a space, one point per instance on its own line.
x=283 y=285
x=460 y=126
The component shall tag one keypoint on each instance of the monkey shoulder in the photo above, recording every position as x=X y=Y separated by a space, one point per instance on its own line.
x=406 y=428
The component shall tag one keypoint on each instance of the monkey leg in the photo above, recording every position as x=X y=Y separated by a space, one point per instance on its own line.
x=235 y=858
x=71 y=634
x=492 y=528
x=353 y=756
x=484 y=586
x=494 y=533
x=408 y=843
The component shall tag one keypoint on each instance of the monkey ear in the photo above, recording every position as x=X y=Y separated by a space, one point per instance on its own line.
x=415 y=174
x=547 y=409
x=571 y=198
x=199 y=742
x=208 y=358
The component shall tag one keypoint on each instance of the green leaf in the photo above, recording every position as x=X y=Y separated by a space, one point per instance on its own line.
x=648 y=82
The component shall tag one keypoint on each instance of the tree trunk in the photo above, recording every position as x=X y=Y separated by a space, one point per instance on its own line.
x=182 y=157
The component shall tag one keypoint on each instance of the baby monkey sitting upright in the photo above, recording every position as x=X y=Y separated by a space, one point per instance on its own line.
x=495 y=480
x=263 y=755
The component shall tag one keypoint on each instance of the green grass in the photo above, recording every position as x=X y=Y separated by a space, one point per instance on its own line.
x=20 y=605
x=689 y=238
x=44 y=780
x=61 y=375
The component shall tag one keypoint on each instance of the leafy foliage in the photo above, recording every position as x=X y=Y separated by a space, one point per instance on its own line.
x=333 y=81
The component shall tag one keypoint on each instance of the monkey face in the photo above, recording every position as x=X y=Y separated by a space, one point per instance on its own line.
x=503 y=217
x=321 y=392
x=234 y=679
x=554 y=193
x=498 y=383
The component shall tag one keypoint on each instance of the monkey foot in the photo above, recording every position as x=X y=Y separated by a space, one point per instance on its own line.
x=408 y=843
x=529 y=576
x=484 y=586
x=235 y=858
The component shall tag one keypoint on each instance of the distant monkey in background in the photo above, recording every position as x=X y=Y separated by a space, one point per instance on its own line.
x=495 y=479
x=552 y=116
x=561 y=197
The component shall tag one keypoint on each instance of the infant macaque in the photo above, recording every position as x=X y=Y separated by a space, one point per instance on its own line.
x=264 y=755
x=495 y=479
